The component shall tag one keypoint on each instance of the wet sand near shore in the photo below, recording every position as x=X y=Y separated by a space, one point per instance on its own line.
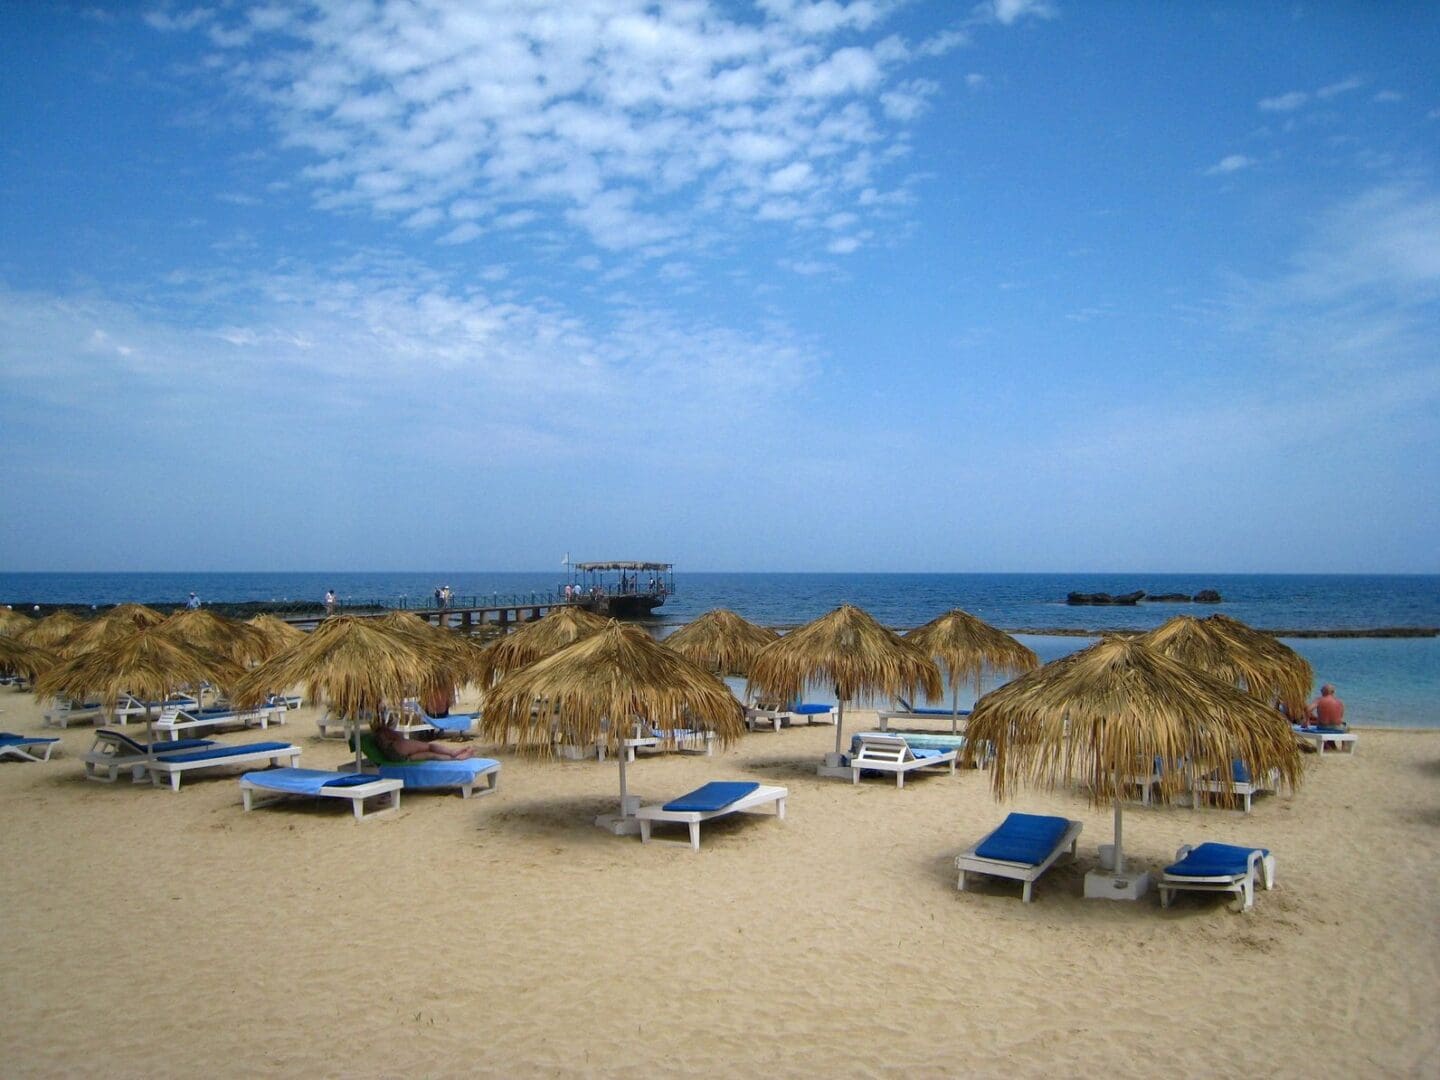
x=169 y=934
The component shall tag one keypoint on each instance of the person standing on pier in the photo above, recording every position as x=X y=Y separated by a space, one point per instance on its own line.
x=192 y=603
x=329 y=602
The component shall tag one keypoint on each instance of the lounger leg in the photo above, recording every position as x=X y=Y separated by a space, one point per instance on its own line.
x=174 y=781
x=854 y=776
x=1025 y=892
x=465 y=790
x=961 y=883
x=358 y=805
x=780 y=809
x=1166 y=896
x=1267 y=864
x=245 y=798
x=694 y=835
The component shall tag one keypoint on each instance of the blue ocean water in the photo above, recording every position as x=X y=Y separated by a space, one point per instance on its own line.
x=1386 y=681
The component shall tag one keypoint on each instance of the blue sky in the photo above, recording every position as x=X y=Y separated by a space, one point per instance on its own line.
x=785 y=285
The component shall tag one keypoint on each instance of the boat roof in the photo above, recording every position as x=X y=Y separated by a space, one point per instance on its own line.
x=623 y=566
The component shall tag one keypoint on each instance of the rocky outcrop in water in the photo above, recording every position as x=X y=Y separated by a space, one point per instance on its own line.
x=1104 y=598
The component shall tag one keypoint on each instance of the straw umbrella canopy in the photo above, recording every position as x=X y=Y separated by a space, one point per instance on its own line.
x=22 y=659
x=721 y=641
x=1099 y=713
x=968 y=647
x=534 y=641
x=239 y=641
x=276 y=635
x=591 y=691
x=1241 y=659
x=356 y=664
x=1300 y=676
x=52 y=631
x=148 y=664
x=117 y=623
x=851 y=651
x=12 y=622
x=462 y=656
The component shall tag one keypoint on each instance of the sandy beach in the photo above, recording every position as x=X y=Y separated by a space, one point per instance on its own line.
x=163 y=934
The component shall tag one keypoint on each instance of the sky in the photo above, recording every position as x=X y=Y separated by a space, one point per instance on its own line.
x=1023 y=285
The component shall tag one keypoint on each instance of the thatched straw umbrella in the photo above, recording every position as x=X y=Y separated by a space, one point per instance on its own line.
x=276 y=635
x=721 y=641
x=534 y=641
x=52 y=631
x=1100 y=713
x=968 y=647
x=117 y=623
x=356 y=664
x=12 y=622
x=22 y=659
x=148 y=664
x=849 y=650
x=1295 y=691
x=1241 y=659
x=463 y=657
x=592 y=690
x=239 y=641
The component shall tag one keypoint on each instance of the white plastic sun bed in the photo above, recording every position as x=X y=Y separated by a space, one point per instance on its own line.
x=1340 y=741
x=357 y=787
x=174 y=766
x=1021 y=848
x=175 y=721
x=114 y=750
x=881 y=752
x=713 y=800
x=1212 y=867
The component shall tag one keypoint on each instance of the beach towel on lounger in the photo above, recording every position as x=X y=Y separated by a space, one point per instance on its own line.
x=305 y=781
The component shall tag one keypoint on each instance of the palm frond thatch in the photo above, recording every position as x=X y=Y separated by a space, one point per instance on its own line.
x=276 y=634
x=12 y=622
x=51 y=631
x=18 y=658
x=146 y=663
x=462 y=656
x=1243 y=658
x=117 y=623
x=534 y=641
x=357 y=665
x=969 y=647
x=1294 y=692
x=239 y=641
x=1098 y=715
x=593 y=690
x=721 y=641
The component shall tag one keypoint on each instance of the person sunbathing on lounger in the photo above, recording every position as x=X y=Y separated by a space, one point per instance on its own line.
x=1328 y=711
x=401 y=748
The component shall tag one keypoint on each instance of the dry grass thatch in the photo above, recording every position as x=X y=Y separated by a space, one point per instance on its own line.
x=239 y=641
x=1108 y=711
x=969 y=648
x=116 y=624
x=463 y=657
x=276 y=635
x=18 y=658
x=52 y=631
x=849 y=650
x=534 y=641
x=147 y=663
x=1295 y=691
x=357 y=665
x=594 y=689
x=12 y=622
x=721 y=641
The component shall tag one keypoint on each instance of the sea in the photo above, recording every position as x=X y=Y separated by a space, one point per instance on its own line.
x=1391 y=682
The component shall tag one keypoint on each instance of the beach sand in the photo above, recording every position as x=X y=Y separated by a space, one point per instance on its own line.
x=162 y=934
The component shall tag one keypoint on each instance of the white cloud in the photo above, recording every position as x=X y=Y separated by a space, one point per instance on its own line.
x=1284 y=102
x=1344 y=86
x=1229 y=164
x=1007 y=12
x=975 y=80
x=1385 y=97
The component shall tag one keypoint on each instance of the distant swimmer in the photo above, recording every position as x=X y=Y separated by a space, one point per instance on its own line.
x=1328 y=711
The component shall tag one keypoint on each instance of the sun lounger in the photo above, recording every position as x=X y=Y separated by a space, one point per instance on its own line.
x=882 y=752
x=812 y=713
x=1240 y=784
x=416 y=719
x=432 y=774
x=64 y=712
x=682 y=740
x=129 y=707
x=903 y=710
x=114 y=750
x=174 y=720
x=357 y=787
x=25 y=747
x=1023 y=847
x=175 y=765
x=1337 y=740
x=715 y=799
x=1218 y=868
x=773 y=717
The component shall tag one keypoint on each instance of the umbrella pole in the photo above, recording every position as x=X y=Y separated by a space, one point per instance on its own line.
x=624 y=792
x=954 y=707
x=839 y=725
x=1119 y=850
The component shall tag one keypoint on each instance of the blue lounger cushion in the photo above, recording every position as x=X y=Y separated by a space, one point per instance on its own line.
x=305 y=781
x=218 y=752
x=1311 y=729
x=1214 y=860
x=715 y=795
x=803 y=709
x=7 y=739
x=427 y=774
x=1024 y=838
x=1239 y=773
x=160 y=746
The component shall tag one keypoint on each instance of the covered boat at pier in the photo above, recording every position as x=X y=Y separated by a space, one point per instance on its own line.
x=621 y=589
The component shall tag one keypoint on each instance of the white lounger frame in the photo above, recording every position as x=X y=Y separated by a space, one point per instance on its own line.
x=490 y=774
x=1338 y=742
x=160 y=767
x=1245 y=789
x=648 y=815
x=764 y=716
x=63 y=713
x=357 y=794
x=42 y=748
x=112 y=751
x=1242 y=885
x=175 y=723
x=892 y=754
x=968 y=862
x=886 y=715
